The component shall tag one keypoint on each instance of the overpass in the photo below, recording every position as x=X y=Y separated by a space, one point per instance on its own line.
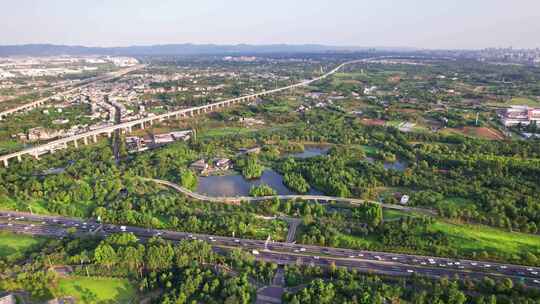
x=141 y=123
x=80 y=85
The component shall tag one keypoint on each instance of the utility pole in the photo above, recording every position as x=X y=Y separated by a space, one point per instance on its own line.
x=266 y=243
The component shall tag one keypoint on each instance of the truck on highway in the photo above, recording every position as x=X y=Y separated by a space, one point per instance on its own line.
x=123 y=228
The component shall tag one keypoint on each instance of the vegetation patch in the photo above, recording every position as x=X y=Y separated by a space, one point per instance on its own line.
x=17 y=244
x=98 y=290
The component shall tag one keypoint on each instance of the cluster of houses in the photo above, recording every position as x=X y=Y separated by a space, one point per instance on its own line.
x=10 y=298
x=204 y=167
x=138 y=144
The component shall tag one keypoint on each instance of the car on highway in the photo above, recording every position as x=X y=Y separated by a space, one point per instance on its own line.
x=410 y=270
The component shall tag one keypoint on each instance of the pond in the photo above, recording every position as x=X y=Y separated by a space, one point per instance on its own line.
x=397 y=165
x=311 y=151
x=237 y=185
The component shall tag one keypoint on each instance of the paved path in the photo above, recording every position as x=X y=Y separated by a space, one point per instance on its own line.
x=274 y=292
x=239 y=199
x=293 y=225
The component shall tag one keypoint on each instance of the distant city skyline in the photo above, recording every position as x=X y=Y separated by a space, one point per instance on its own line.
x=458 y=24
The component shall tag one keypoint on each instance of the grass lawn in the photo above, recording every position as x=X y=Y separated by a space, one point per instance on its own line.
x=524 y=101
x=218 y=132
x=469 y=238
x=8 y=203
x=369 y=150
x=352 y=241
x=11 y=243
x=7 y=146
x=98 y=290
x=518 y=101
x=456 y=201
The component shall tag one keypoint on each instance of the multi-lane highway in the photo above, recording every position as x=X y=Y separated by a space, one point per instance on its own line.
x=127 y=126
x=288 y=253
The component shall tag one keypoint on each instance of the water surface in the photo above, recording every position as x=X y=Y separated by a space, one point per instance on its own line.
x=237 y=185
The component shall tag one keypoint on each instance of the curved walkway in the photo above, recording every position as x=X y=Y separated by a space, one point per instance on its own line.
x=239 y=199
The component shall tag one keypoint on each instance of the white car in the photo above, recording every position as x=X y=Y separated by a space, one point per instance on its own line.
x=316 y=257
x=302 y=249
x=410 y=270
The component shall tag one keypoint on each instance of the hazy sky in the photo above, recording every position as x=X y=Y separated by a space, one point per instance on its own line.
x=415 y=23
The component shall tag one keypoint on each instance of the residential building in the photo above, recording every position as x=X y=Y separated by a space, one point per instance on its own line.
x=7 y=299
x=523 y=115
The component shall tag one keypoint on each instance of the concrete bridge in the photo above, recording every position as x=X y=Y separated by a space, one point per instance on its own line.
x=80 y=85
x=141 y=123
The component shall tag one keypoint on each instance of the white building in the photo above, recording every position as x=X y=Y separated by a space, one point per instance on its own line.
x=523 y=115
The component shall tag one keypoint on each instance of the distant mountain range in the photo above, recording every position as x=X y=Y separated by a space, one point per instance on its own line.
x=175 y=49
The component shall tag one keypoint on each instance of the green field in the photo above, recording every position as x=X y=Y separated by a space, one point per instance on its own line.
x=35 y=206
x=97 y=290
x=466 y=239
x=218 y=132
x=477 y=238
x=11 y=243
x=524 y=101
x=519 y=101
x=7 y=146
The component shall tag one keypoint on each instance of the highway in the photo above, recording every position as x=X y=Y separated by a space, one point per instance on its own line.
x=287 y=253
x=127 y=126
x=322 y=198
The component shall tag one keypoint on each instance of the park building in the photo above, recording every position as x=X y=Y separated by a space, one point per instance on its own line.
x=523 y=115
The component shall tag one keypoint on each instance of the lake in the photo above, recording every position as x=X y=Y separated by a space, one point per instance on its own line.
x=397 y=165
x=311 y=151
x=237 y=185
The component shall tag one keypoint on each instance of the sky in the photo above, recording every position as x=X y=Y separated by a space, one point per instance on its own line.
x=450 y=24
